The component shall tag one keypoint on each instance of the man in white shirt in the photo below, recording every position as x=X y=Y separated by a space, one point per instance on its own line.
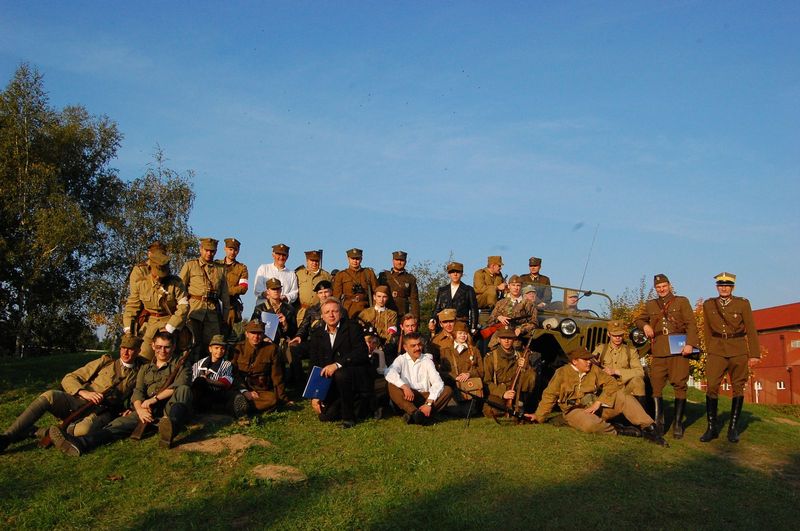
x=414 y=384
x=277 y=269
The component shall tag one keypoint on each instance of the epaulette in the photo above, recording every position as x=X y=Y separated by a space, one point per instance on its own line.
x=298 y=268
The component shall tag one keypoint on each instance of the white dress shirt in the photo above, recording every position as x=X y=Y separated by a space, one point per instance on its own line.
x=420 y=375
x=287 y=277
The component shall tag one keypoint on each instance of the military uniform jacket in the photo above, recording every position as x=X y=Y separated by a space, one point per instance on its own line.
x=286 y=330
x=567 y=389
x=139 y=271
x=100 y=375
x=514 y=310
x=380 y=320
x=542 y=282
x=349 y=348
x=729 y=329
x=236 y=277
x=205 y=282
x=403 y=294
x=625 y=359
x=463 y=302
x=669 y=315
x=306 y=282
x=454 y=363
x=258 y=368
x=160 y=298
x=499 y=369
x=151 y=378
x=484 y=280
x=345 y=286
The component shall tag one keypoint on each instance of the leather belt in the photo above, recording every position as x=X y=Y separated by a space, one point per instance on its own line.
x=209 y=300
x=154 y=314
x=729 y=336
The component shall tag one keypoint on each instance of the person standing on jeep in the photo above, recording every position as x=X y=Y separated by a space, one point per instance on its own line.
x=489 y=283
x=544 y=295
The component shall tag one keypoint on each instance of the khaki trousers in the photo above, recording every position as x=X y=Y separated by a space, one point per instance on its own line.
x=626 y=405
x=736 y=367
x=674 y=369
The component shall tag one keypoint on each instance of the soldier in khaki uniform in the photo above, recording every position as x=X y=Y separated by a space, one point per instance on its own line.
x=581 y=390
x=460 y=363
x=258 y=372
x=403 y=293
x=105 y=382
x=157 y=301
x=666 y=315
x=514 y=306
x=500 y=368
x=732 y=345
x=208 y=296
x=308 y=276
x=355 y=285
x=544 y=294
x=621 y=362
x=488 y=282
x=142 y=269
x=236 y=277
x=446 y=336
x=382 y=318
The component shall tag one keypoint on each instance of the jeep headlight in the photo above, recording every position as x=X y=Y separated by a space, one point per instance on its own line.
x=637 y=337
x=568 y=327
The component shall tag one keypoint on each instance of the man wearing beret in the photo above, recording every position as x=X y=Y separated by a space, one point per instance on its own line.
x=403 y=294
x=581 y=390
x=156 y=302
x=732 y=345
x=544 y=294
x=382 y=318
x=142 y=269
x=663 y=316
x=355 y=285
x=308 y=276
x=488 y=283
x=277 y=269
x=236 y=276
x=458 y=296
x=501 y=366
x=105 y=382
x=208 y=296
x=621 y=361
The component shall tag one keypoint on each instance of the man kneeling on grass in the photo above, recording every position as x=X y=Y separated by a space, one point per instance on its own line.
x=588 y=398
x=153 y=398
x=414 y=384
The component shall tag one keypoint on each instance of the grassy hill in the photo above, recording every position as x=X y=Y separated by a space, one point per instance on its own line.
x=384 y=474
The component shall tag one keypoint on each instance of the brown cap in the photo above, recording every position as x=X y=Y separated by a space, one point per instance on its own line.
x=460 y=326
x=455 y=266
x=725 y=279
x=659 y=278
x=515 y=279
x=218 y=339
x=314 y=255
x=280 y=248
x=505 y=333
x=448 y=314
x=157 y=245
x=323 y=284
x=233 y=243
x=400 y=255
x=382 y=289
x=534 y=261
x=209 y=244
x=528 y=288
x=495 y=260
x=254 y=326
x=355 y=253
x=579 y=353
x=274 y=283
x=130 y=341
x=616 y=327
x=159 y=259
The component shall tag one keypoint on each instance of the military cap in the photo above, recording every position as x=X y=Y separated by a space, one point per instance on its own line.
x=323 y=284
x=400 y=255
x=233 y=243
x=448 y=314
x=159 y=259
x=254 y=326
x=515 y=279
x=570 y=293
x=506 y=333
x=314 y=255
x=157 y=245
x=355 y=253
x=382 y=289
x=579 y=353
x=460 y=326
x=534 y=261
x=495 y=260
x=209 y=244
x=274 y=283
x=616 y=327
x=218 y=339
x=280 y=248
x=455 y=266
x=528 y=288
x=659 y=278
x=725 y=279
x=130 y=341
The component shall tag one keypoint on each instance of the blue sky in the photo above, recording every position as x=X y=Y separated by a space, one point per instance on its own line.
x=512 y=128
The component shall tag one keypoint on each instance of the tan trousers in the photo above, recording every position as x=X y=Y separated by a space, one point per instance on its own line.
x=736 y=367
x=626 y=405
x=396 y=394
x=674 y=369
x=635 y=386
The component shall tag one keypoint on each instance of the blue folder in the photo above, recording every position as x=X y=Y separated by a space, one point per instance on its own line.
x=318 y=385
x=676 y=344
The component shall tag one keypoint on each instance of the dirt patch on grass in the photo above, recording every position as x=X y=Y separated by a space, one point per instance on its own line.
x=235 y=444
x=790 y=422
x=282 y=473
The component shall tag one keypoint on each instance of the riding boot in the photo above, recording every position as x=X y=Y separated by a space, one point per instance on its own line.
x=677 y=423
x=627 y=431
x=736 y=410
x=170 y=425
x=20 y=429
x=658 y=413
x=651 y=434
x=77 y=446
x=712 y=432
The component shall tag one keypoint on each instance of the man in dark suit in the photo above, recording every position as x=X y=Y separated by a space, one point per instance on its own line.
x=339 y=348
x=456 y=295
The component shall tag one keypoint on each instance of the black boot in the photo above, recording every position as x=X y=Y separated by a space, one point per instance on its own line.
x=77 y=446
x=658 y=413
x=736 y=410
x=627 y=431
x=677 y=423
x=4 y=442
x=651 y=434
x=172 y=424
x=712 y=432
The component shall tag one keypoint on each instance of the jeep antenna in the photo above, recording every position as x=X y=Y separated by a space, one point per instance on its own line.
x=589 y=255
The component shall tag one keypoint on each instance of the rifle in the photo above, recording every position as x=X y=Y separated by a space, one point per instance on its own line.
x=525 y=356
x=489 y=331
x=78 y=414
x=138 y=431
x=519 y=415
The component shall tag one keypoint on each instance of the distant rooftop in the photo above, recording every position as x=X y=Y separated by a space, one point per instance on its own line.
x=784 y=317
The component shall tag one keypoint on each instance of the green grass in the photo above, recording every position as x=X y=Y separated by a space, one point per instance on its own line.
x=384 y=475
